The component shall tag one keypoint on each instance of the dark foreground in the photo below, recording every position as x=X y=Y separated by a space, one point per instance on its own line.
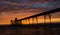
x=41 y=29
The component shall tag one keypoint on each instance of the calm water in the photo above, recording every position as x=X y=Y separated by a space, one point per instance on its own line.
x=30 y=30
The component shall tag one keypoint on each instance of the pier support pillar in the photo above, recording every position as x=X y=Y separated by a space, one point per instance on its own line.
x=29 y=21
x=50 y=18
x=33 y=20
x=44 y=19
x=37 y=20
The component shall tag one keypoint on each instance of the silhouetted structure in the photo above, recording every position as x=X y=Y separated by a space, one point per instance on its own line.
x=36 y=16
x=16 y=22
x=11 y=22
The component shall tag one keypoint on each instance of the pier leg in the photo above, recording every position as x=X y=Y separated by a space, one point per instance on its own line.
x=23 y=21
x=37 y=20
x=44 y=19
x=50 y=18
x=33 y=20
x=29 y=21
x=26 y=21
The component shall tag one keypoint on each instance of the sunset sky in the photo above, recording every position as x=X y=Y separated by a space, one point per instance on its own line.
x=10 y=9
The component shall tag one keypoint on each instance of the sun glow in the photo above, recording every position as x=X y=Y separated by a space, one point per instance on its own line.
x=5 y=19
x=55 y=20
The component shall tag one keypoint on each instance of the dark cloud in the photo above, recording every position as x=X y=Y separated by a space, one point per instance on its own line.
x=10 y=5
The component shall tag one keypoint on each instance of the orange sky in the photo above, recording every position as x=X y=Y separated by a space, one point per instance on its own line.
x=5 y=18
x=24 y=8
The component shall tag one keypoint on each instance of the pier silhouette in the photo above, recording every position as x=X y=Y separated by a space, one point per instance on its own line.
x=18 y=28
x=19 y=21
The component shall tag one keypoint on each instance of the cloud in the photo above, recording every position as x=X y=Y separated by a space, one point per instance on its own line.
x=10 y=5
x=9 y=9
x=22 y=11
